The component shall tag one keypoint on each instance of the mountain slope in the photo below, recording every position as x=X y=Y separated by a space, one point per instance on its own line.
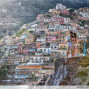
x=75 y=3
x=15 y=13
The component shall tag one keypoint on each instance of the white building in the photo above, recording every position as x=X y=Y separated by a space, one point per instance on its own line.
x=66 y=20
x=47 y=20
x=44 y=50
x=59 y=6
x=84 y=14
x=60 y=52
x=53 y=46
x=82 y=38
x=38 y=59
x=41 y=40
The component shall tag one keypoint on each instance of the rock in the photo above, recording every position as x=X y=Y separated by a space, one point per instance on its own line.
x=77 y=81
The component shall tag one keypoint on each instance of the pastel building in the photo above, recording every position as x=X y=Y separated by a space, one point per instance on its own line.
x=47 y=20
x=44 y=50
x=40 y=40
x=66 y=20
x=50 y=39
x=64 y=12
x=29 y=39
x=63 y=46
x=54 y=11
x=61 y=52
x=27 y=48
x=62 y=36
x=58 y=20
x=27 y=70
x=38 y=59
x=53 y=46
x=39 y=16
x=50 y=32
x=37 y=69
x=15 y=60
x=8 y=40
x=82 y=38
x=59 y=6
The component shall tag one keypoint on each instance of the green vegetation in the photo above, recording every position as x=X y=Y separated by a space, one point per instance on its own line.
x=52 y=60
x=3 y=72
x=20 y=32
x=31 y=31
x=47 y=14
x=82 y=45
x=84 y=62
x=33 y=78
x=1 y=54
x=83 y=22
x=67 y=16
x=82 y=72
x=71 y=11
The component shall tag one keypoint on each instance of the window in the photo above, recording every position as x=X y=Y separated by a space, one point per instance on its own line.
x=51 y=46
x=44 y=49
x=61 y=47
x=55 y=47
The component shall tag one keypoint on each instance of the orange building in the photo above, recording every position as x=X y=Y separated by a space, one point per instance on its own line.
x=29 y=39
x=36 y=69
x=37 y=45
x=30 y=67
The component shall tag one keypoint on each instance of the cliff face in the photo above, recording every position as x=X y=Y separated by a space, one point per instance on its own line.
x=74 y=73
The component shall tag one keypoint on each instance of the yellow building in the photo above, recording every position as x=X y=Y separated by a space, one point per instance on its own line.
x=1 y=42
x=63 y=46
x=14 y=60
x=77 y=48
x=17 y=38
x=29 y=39
x=54 y=11
x=62 y=36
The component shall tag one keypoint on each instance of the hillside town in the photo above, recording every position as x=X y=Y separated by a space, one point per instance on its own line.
x=28 y=55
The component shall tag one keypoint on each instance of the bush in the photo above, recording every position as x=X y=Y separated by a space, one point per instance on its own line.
x=52 y=60
x=20 y=32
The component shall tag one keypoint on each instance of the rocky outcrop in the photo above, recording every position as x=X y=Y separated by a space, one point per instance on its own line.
x=66 y=74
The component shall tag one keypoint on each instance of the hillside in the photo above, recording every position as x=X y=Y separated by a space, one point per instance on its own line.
x=15 y=13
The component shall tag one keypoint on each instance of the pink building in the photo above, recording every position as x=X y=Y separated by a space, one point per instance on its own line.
x=58 y=20
x=64 y=12
x=50 y=33
x=39 y=16
x=50 y=39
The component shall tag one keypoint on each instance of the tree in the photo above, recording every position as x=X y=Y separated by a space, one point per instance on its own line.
x=3 y=72
x=71 y=11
